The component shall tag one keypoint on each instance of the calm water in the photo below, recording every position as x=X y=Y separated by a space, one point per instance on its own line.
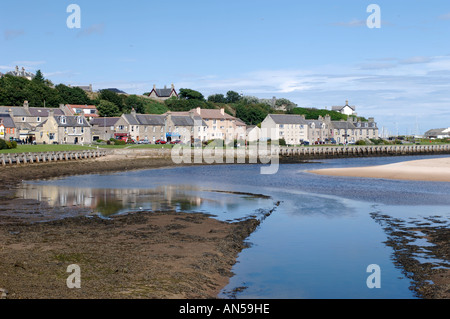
x=316 y=244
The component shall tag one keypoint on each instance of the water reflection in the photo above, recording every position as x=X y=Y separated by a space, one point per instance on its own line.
x=111 y=201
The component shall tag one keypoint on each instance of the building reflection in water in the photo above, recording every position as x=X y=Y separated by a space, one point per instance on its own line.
x=115 y=201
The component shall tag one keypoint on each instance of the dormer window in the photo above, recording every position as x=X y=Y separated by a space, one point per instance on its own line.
x=63 y=120
x=80 y=120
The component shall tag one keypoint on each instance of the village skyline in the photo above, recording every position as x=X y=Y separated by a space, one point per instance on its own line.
x=316 y=55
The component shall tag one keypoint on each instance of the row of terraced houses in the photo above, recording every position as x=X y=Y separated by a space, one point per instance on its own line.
x=81 y=124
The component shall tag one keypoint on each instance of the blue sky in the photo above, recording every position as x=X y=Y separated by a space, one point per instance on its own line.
x=315 y=53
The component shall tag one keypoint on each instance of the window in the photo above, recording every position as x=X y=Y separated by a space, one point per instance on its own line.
x=63 y=120
x=121 y=127
x=154 y=129
x=80 y=120
x=38 y=119
x=51 y=136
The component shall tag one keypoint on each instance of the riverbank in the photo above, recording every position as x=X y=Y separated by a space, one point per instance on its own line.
x=139 y=255
x=435 y=170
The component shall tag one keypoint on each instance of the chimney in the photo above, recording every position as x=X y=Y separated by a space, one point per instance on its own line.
x=191 y=114
x=222 y=111
x=173 y=87
x=371 y=119
x=154 y=86
x=25 y=105
x=199 y=111
x=51 y=113
x=133 y=112
x=327 y=118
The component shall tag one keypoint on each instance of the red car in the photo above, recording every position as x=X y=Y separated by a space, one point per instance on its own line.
x=160 y=142
x=175 y=142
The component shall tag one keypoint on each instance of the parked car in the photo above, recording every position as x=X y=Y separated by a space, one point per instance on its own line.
x=305 y=143
x=176 y=142
x=160 y=142
x=144 y=142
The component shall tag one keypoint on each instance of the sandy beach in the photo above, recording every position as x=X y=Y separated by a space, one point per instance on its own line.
x=435 y=170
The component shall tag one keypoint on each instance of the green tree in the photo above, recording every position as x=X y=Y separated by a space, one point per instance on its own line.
x=188 y=94
x=233 y=97
x=72 y=95
x=39 y=77
x=286 y=103
x=133 y=101
x=108 y=109
x=217 y=98
x=113 y=97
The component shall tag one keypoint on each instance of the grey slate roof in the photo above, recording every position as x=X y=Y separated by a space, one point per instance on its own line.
x=151 y=119
x=163 y=92
x=131 y=119
x=7 y=121
x=339 y=108
x=41 y=111
x=288 y=119
x=343 y=125
x=19 y=111
x=436 y=132
x=183 y=121
x=71 y=121
x=104 y=121
x=16 y=110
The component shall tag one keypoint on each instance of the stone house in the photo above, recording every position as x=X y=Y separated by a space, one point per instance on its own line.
x=8 y=129
x=221 y=125
x=186 y=127
x=346 y=109
x=152 y=127
x=64 y=130
x=163 y=94
x=292 y=128
x=28 y=118
x=89 y=111
x=103 y=128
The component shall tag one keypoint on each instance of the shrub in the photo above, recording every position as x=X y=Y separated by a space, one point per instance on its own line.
x=361 y=142
x=4 y=145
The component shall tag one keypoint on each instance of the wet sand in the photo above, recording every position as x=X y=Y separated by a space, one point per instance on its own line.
x=436 y=170
x=158 y=255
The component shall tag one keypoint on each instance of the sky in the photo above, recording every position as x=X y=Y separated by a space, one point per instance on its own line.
x=314 y=53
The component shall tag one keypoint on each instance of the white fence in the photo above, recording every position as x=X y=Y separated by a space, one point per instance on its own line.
x=23 y=158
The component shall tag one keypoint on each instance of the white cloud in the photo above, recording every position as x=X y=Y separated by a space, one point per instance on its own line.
x=11 y=34
x=396 y=91
x=93 y=29
x=445 y=16
x=352 y=23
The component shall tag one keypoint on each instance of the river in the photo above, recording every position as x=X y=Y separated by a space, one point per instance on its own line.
x=318 y=241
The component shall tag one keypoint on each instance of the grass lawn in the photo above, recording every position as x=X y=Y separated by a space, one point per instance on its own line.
x=62 y=148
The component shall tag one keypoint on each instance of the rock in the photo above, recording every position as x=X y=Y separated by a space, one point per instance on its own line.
x=3 y=293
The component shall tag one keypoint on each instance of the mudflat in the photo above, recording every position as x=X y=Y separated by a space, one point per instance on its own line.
x=159 y=255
